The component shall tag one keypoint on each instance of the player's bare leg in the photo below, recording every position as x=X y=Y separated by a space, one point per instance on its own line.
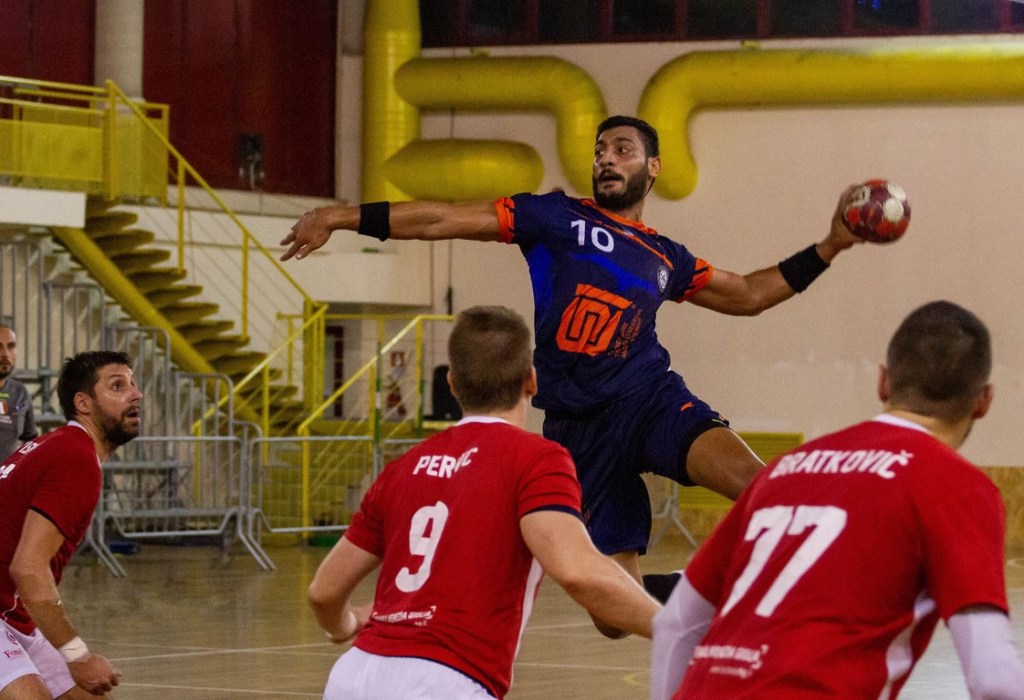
x=25 y=688
x=719 y=460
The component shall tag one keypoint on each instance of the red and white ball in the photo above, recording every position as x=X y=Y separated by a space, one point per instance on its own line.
x=877 y=211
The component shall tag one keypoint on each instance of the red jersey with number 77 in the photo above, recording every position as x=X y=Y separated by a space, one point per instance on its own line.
x=457 y=582
x=832 y=570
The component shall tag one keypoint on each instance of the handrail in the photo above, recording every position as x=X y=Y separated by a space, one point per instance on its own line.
x=314 y=322
x=50 y=107
x=248 y=237
x=68 y=87
x=126 y=154
x=317 y=412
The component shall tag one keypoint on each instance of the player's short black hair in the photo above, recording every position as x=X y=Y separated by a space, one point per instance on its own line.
x=939 y=360
x=648 y=134
x=490 y=352
x=81 y=372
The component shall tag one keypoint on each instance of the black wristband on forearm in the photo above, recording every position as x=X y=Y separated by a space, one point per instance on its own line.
x=375 y=220
x=801 y=269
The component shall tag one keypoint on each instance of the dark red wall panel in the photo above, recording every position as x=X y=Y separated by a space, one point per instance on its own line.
x=48 y=39
x=252 y=67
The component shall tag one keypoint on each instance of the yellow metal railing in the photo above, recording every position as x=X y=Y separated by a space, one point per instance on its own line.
x=256 y=389
x=183 y=173
x=371 y=372
x=81 y=138
x=101 y=142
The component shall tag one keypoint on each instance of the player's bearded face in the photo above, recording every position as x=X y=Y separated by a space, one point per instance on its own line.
x=632 y=190
x=117 y=405
x=121 y=427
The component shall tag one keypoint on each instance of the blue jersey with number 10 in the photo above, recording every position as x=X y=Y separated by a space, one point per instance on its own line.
x=598 y=280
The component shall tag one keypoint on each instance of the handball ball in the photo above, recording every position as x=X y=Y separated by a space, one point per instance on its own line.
x=877 y=211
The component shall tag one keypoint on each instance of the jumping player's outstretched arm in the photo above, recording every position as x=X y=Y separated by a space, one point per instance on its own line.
x=563 y=548
x=750 y=294
x=422 y=220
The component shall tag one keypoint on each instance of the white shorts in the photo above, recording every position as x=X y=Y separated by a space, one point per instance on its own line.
x=30 y=654
x=358 y=675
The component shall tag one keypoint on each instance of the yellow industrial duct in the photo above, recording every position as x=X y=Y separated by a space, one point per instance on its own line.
x=530 y=83
x=449 y=169
x=391 y=36
x=754 y=78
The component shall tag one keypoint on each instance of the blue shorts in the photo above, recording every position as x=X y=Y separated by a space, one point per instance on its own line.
x=648 y=431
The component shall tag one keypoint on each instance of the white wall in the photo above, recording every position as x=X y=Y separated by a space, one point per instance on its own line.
x=769 y=179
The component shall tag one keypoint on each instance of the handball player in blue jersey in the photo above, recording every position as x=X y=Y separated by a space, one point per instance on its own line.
x=599 y=276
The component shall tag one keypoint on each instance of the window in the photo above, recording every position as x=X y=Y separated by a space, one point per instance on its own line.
x=504 y=22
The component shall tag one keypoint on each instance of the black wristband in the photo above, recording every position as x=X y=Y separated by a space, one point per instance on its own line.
x=802 y=268
x=375 y=220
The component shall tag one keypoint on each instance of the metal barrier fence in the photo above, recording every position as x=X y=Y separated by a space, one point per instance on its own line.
x=310 y=484
x=175 y=487
x=182 y=489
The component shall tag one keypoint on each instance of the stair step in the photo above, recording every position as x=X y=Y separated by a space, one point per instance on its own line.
x=186 y=312
x=214 y=348
x=238 y=364
x=139 y=260
x=156 y=278
x=110 y=221
x=94 y=206
x=165 y=297
x=199 y=331
x=287 y=414
x=121 y=242
x=278 y=392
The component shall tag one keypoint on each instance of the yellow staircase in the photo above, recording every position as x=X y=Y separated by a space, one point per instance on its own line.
x=121 y=258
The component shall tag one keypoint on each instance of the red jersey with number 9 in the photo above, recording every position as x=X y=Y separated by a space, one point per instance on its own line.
x=457 y=582
x=833 y=568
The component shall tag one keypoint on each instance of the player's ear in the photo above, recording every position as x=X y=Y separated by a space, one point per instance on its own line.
x=83 y=402
x=451 y=384
x=884 y=390
x=654 y=166
x=530 y=385
x=983 y=402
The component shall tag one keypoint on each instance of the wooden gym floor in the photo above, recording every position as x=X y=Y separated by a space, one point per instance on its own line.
x=191 y=624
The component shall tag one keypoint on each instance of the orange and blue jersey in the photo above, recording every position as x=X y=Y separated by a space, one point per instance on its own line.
x=598 y=281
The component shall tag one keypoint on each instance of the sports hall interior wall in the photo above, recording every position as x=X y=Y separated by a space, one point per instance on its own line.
x=769 y=178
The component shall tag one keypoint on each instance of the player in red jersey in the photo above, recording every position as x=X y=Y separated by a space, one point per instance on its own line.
x=599 y=276
x=828 y=576
x=49 y=488
x=463 y=527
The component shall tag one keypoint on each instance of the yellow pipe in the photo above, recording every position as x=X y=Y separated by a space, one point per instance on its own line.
x=755 y=78
x=391 y=36
x=530 y=83
x=450 y=169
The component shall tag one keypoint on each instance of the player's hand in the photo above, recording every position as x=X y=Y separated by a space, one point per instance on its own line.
x=94 y=674
x=352 y=621
x=839 y=236
x=310 y=232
